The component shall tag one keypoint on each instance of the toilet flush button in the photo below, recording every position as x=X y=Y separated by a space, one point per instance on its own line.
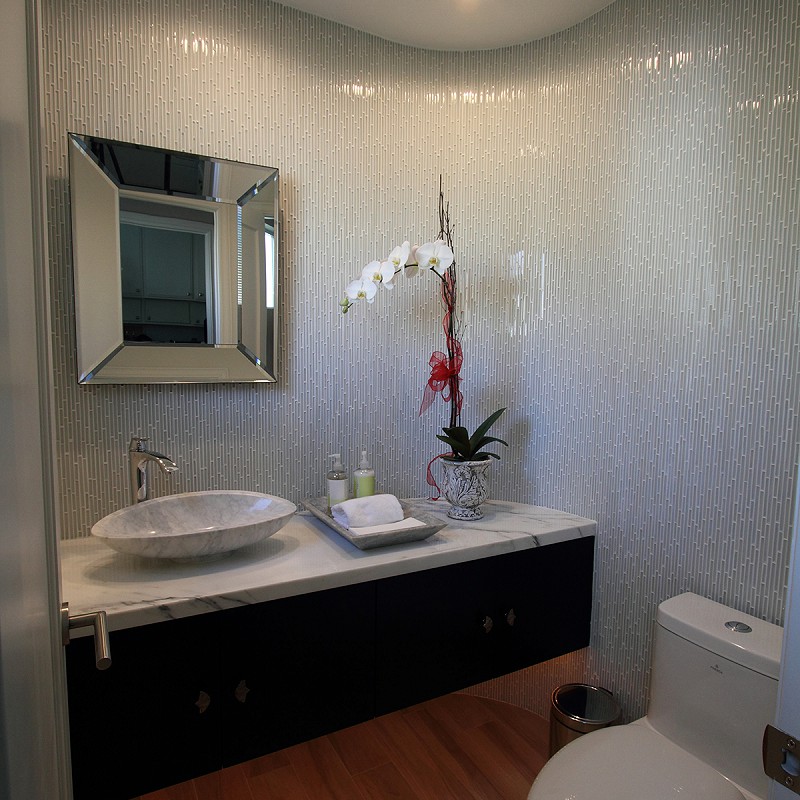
x=738 y=627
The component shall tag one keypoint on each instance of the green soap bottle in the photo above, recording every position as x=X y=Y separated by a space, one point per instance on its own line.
x=364 y=478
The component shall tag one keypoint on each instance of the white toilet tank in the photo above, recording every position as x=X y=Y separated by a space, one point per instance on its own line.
x=714 y=686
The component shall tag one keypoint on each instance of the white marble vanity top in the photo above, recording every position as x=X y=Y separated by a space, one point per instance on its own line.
x=304 y=556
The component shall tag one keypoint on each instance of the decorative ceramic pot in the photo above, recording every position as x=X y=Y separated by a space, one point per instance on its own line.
x=465 y=486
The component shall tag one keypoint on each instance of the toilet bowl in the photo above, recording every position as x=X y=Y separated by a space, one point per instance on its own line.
x=713 y=690
x=654 y=769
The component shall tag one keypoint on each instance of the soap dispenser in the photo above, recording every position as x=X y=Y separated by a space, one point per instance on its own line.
x=364 y=477
x=337 y=481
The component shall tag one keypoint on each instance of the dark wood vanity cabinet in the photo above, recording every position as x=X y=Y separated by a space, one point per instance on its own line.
x=190 y=696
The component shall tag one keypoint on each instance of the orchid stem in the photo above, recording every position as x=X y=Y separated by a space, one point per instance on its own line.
x=452 y=323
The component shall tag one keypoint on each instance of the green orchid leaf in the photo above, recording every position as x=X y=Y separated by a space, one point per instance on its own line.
x=459 y=434
x=480 y=431
x=457 y=447
x=486 y=440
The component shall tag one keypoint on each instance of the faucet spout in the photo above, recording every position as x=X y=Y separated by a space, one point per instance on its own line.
x=138 y=459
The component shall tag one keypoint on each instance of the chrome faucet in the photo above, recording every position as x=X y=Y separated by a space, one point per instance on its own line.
x=137 y=461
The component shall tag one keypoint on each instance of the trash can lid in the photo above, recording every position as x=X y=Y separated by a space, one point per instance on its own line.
x=583 y=707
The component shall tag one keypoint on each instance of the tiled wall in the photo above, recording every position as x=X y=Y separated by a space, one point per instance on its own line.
x=625 y=196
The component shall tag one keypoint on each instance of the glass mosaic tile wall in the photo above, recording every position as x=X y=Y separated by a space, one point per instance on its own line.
x=625 y=199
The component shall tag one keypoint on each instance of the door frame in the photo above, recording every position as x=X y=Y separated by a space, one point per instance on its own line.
x=34 y=740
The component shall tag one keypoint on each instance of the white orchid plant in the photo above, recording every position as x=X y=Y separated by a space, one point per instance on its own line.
x=404 y=260
x=445 y=378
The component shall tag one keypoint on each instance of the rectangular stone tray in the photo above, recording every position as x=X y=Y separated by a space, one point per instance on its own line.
x=318 y=506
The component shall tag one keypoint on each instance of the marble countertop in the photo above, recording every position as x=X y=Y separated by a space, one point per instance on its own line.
x=304 y=556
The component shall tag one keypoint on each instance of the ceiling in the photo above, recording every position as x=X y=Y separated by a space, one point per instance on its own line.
x=454 y=24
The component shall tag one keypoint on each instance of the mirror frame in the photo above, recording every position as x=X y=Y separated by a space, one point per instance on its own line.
x=103 y=356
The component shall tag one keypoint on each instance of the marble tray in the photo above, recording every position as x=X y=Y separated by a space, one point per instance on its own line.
x=318 y=506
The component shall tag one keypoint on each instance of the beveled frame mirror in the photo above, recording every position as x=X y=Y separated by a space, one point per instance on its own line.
x=175 y=262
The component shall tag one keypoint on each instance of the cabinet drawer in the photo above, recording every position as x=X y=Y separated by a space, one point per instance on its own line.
x=174 y=312
x=131 y=309
x=547 y=603
x=431 y=635
x=448 y=628
x=153 y=718
x=167 y=262
x=197 y=313
x=296 y=669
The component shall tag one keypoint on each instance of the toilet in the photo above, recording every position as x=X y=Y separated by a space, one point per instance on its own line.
x=714 y=686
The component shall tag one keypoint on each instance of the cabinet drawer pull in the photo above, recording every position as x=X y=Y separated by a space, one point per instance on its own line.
x=203 y=701
x=240 y=692
x=511 y=617
x=487 y=624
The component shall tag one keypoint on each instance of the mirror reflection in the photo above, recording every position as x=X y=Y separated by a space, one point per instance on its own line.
x=175 y=260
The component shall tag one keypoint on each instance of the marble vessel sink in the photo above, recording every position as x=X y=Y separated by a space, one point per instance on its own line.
x=195 y=524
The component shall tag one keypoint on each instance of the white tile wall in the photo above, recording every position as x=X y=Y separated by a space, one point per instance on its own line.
x=625 y=196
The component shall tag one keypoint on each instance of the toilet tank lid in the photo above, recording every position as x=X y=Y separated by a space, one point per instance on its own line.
x=702 y=622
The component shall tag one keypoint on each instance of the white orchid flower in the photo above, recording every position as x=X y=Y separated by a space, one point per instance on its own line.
x=411 y=269
x=381 y=272
x=389 y=273
x=436 y=256
x=399 y=256
x=361 y=289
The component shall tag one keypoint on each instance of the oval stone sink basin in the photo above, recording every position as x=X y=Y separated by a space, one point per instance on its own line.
x=195 y=524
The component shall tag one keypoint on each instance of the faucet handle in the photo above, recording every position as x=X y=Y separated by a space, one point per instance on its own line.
x=137 y=444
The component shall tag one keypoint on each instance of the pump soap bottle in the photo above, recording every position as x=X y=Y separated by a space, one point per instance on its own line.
x=364 y=478
x=337 y=481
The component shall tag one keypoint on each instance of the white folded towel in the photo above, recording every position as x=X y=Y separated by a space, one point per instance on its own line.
x=378 y=509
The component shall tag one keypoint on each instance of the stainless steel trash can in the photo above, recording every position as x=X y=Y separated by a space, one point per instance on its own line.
x=577 y=708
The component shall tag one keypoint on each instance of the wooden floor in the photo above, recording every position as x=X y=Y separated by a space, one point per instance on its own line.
x=456 y=747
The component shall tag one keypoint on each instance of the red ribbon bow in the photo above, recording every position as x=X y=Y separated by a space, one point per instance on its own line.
x=443 y=370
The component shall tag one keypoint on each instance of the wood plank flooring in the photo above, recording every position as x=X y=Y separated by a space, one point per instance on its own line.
x=456 y=747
